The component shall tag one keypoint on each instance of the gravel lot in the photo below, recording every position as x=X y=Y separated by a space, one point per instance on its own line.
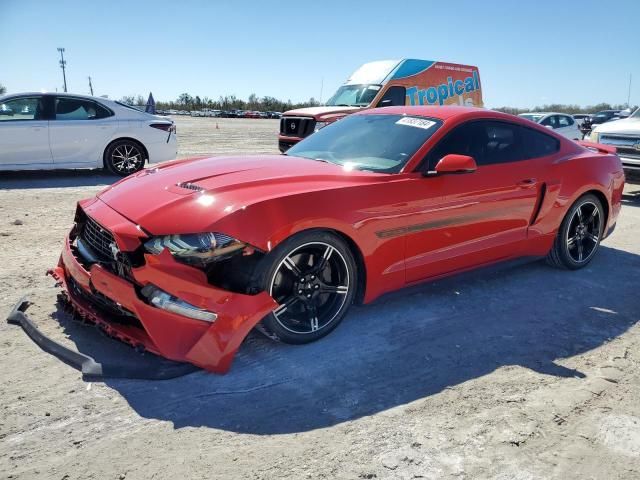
x=523 y=372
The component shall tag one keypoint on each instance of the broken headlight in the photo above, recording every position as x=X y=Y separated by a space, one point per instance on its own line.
x=196 y=248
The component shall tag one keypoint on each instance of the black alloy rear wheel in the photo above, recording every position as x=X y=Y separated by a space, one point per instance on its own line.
x=579 y=235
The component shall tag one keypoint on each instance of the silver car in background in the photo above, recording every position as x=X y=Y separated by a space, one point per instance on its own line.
x=562 y=123
x=46 y=131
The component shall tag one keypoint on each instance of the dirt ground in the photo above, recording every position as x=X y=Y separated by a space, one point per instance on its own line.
x=523 y=372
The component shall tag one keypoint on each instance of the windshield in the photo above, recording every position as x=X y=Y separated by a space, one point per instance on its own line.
x=635 y=114
x=354 y=95
x=375 y=143
x=532 y=116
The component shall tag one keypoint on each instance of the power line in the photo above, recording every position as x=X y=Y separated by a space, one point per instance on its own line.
x=63 y=63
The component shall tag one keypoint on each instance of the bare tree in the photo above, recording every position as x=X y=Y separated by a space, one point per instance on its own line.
x=128 y=100
x=3 y=89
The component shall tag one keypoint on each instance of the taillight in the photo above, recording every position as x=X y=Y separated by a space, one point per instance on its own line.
x=167 y=127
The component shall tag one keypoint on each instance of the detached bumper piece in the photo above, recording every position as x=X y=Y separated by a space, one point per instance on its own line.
x=162 y=370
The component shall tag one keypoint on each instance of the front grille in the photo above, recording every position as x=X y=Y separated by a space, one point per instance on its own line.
x=619 y=139
x=629 y=152
x=626 y=145
x=104 y=246
x=98 y=238
x=297 y=126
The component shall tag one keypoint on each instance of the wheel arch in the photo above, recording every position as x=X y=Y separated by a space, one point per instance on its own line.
x=355 y=250
x=603 y=199
x=118 y=139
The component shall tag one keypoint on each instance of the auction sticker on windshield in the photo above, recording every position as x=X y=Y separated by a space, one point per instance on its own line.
x=416 y=122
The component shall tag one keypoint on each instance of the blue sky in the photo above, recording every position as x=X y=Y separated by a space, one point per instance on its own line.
x=528 y=52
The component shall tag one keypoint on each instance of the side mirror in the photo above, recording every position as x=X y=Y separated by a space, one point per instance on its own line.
x=385 y=103
x=454 y=163
x=549 y=127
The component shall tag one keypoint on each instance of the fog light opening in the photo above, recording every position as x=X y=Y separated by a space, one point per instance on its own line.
x=165 y=301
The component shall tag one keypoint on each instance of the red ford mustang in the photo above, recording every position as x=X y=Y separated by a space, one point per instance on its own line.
x=186 y=258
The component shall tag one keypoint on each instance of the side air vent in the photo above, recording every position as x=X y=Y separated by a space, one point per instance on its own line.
x=190 y=186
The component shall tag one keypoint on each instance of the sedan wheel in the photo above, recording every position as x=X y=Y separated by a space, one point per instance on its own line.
x=313 y=280
x=124 y=158
x=580 y=234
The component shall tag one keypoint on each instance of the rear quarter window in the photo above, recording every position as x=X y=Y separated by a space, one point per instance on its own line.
x=537 y=144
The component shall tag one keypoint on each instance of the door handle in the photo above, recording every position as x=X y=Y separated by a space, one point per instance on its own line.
x=527 y=183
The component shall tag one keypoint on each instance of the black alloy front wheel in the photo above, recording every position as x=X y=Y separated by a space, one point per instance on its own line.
x=313 y=278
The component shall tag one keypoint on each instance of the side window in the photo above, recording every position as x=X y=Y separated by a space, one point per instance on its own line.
x=459 y=141
x=393 y=96
x=79 y=109
x=488 y=142
x=102 y=111
x=503 y=143
x=536 y=144
x=564 y=121
x=23 y=108
x=550 y=121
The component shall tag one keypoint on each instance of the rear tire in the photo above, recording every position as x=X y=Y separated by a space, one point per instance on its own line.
x=124 y=157
x=313 y=278
x=579 y=235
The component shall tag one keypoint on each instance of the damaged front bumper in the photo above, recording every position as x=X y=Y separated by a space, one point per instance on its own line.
x=90 y=368
x=209 y=345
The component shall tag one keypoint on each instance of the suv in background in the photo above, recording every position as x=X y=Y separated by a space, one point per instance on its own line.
x=625 y=136
x=604 y=116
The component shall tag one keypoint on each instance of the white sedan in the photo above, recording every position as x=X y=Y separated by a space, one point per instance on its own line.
x=562 y=123
x=60 y=130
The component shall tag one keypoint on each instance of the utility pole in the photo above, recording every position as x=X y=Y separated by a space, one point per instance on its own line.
x=90 y=86
x=629 y=93
x=321 y=88
x=63 y=63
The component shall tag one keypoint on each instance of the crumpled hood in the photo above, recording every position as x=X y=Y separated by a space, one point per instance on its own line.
x=319 y=111
x=190 y=196
x=626 y=126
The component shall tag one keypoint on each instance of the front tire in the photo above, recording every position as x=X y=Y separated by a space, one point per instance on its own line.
x=313 y=278
x=579 y=235
x=124 y=157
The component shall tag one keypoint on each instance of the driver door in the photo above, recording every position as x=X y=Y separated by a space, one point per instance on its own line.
x=473 y=218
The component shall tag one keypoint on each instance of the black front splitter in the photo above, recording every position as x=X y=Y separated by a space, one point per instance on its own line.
x=92 y=370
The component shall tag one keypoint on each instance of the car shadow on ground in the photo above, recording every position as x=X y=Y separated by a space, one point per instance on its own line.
x=404 y=347
x=55 y=179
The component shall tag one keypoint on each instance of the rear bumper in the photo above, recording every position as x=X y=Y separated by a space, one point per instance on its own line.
x=163 y=150
x=211 y=346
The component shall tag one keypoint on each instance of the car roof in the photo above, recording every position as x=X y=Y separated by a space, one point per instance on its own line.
x=58 y=94
x=442 y=113
x=545 y=113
